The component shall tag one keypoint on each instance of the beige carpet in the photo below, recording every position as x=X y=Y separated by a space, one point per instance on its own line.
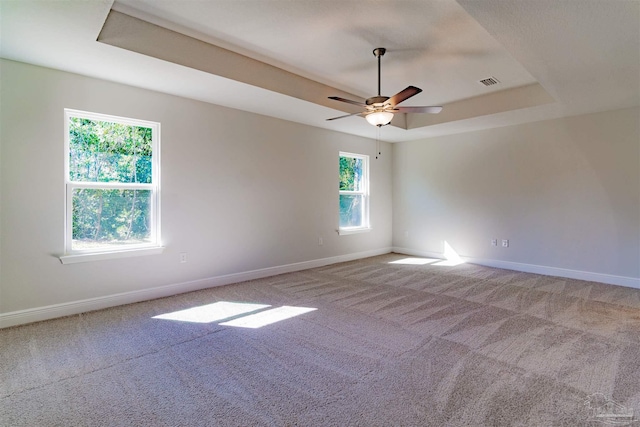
x=388 y=345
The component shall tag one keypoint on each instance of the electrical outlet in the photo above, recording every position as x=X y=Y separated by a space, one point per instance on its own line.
x=494 y=242
x=320 y=241
x=183 y=257
x=505 y=243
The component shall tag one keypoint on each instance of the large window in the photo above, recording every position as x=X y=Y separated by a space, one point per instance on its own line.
x=354 y=193
x=112 y=180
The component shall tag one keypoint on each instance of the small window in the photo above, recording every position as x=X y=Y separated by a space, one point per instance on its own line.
x=112 y=181
x=354 y=193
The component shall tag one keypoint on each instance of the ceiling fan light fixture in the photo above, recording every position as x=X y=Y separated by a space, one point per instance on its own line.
x=379 y=118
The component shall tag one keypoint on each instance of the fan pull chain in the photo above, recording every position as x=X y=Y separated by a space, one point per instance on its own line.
x=378 y=143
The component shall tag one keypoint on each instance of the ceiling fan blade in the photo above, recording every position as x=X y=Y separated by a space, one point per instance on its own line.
x=348 y=101
x=431 y=110
x=342 y=117
x=403 y=95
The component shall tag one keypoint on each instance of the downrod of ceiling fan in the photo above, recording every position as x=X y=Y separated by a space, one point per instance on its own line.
x=378 y=53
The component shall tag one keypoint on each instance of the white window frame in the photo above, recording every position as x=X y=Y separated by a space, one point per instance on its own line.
x=154 y=246
x=366 y=226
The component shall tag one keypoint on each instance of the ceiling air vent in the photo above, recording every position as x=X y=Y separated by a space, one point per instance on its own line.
x=489 y=81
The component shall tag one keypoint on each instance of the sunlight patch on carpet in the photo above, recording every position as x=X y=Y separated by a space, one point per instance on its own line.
x=238 y=314
x=451 y=259
x=414 y=261
x=212 y=312
x=268 y=317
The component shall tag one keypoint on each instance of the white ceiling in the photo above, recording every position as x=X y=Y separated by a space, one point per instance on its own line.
x=585 y=54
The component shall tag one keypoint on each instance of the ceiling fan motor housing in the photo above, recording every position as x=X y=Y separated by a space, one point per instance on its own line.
x=377 y=100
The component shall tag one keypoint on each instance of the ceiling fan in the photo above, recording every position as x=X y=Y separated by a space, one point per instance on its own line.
x=379 y=109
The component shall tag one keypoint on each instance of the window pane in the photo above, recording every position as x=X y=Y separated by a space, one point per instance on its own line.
x=109 y=152
x=351 y=210
x=351 y=174
x=110 y=217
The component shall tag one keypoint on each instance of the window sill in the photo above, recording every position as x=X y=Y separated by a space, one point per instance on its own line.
x=99 y=256
x=345 y=231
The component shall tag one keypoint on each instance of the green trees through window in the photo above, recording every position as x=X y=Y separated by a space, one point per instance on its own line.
x=109 y=152
x=350 y=173
x=110 y=183
x=353 y=191
x=108 y=217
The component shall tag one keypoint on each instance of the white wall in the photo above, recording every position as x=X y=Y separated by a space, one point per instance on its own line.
x=565 y=192
x=240 y=192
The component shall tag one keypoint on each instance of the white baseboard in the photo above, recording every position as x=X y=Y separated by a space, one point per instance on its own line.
x=630 y=282
x=37 y=314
